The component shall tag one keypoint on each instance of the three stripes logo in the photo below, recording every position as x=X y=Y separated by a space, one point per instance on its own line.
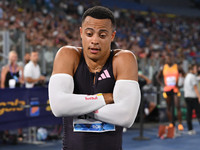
x=104 y=75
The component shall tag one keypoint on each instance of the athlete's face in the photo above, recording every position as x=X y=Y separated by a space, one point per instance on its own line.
x=169 y=60
x=97 y=35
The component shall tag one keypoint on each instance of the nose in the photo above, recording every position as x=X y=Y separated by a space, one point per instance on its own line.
x=95 y=40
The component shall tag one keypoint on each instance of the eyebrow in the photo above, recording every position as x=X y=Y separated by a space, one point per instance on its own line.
x=101 y=30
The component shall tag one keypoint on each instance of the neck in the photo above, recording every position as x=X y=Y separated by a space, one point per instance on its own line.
x=35 y=63
x=96 y=66
x=192 y=72
x=13 y=67
x=170 y=64
x=12 y=64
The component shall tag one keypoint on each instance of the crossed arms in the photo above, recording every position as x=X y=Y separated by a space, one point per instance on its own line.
x=119 y=108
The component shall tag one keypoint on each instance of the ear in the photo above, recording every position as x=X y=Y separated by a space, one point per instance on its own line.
x=113 y=36
x=81 y=32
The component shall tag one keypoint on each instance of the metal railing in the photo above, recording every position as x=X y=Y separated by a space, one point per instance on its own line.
x=16 y=40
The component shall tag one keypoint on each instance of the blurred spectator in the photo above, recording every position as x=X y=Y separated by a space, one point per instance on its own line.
x=26 y=58
x=1 y=12
x=147 y=105
x=32 y=72
x=54 y=24
x=148 y=35
x=12 y=73
x=11 y=77
x=192 y=96
x=80 y=9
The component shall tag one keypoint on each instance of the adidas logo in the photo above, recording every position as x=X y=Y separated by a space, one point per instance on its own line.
x=104 y=75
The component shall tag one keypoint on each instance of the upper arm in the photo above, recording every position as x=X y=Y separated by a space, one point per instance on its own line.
x=196 y=89
x=3 y=75
x=147 y=80
x=160 y=73
x=194 y=81
x=27 y=71
x=21 y=72
x=125 y=66
x=66 y=60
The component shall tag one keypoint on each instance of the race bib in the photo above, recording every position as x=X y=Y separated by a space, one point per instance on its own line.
x=91 y=125
x=171 y=81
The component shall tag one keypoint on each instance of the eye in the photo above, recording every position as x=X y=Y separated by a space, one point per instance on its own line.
x=89 y=34
x=102 y=35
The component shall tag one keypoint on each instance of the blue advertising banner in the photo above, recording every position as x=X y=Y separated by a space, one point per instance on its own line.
x=22 y=107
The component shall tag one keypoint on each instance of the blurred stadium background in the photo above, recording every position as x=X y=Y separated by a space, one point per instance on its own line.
x=149 y=28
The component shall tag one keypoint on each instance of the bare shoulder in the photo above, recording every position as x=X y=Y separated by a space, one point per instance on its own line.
x=125 y=65
x=124 y=55
x=67 y=59
x=5 y=68
x=68 y=51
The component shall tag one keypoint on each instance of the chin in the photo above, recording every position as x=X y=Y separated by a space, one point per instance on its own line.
x=93 y=58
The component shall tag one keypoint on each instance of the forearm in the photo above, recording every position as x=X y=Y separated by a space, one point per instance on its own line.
x=31 y=80
x=126 y=103
x=196 y=91
x=158 y=78
x=64 y=103
x=2 y=85
x=3 y=79
x=145 y=78
x=160 y=82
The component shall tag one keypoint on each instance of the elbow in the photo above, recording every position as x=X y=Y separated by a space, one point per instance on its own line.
x=56 y=114
x=59 y=111
x=128 y=121
x=125 y=118
x=56 y=106
x=54 y=109
x=131 y=115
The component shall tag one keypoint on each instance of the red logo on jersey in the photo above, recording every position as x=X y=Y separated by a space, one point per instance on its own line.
x=91 y=98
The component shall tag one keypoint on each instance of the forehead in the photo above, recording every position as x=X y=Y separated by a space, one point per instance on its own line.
x=12 y=54
x=94 y=23
x=34 y=53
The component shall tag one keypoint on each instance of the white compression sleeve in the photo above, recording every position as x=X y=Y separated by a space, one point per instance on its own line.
x=123 y=112
x=64 y=103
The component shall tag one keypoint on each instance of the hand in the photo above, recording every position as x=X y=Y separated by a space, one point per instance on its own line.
x=21 y=81
x=199 y=99
x=108 y=97
x=41 y=78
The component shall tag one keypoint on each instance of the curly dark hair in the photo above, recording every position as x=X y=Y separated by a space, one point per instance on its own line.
x=100 y=12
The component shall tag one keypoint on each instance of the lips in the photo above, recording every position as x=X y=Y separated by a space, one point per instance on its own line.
x=94 y=50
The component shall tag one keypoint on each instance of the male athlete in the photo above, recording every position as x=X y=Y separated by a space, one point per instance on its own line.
x=94 y=88
x=170 y=73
